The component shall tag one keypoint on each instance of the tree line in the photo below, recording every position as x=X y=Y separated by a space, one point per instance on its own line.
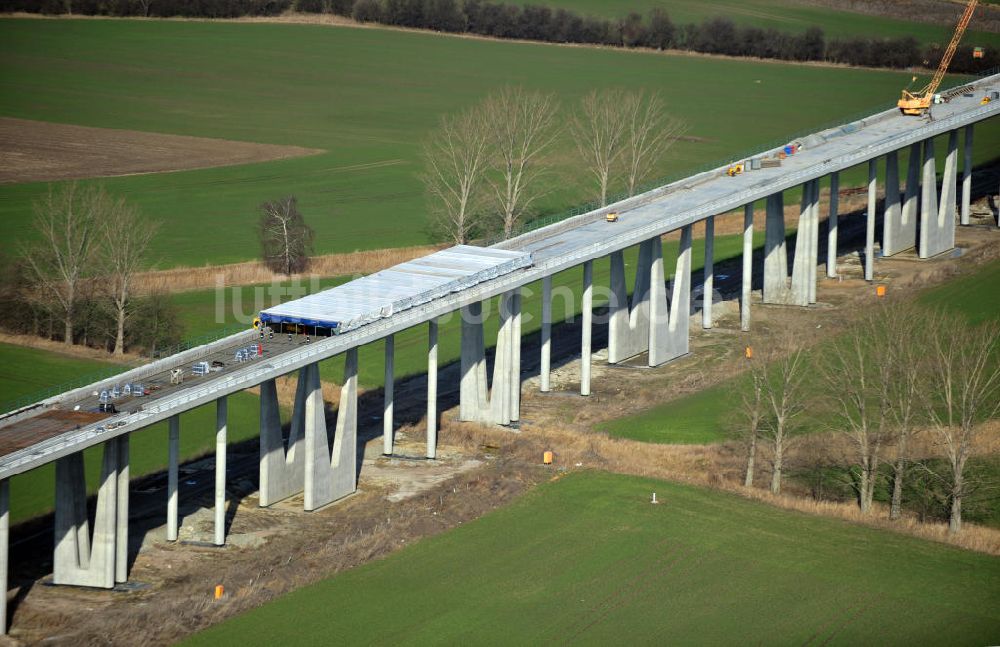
x=656 y=30
x=485 y=167
x=903 y=377
x=78 y=279
x=75 y=281
x=151 y=8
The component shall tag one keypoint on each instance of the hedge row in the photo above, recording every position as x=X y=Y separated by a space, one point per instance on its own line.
x=533 y=22
x=155 y=8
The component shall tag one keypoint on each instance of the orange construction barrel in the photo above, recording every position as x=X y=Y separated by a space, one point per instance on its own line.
x=219 y=591
x=748 y=352
x=880 y=291
x=547 y=458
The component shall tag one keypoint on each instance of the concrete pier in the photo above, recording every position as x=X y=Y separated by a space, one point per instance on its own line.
x=330 y=472
x=831 y=226
x=948 y=208
x=281 y=465
x=775 y=252
x=432 y=386
x=813 y=239
x=708 y=284
x=514 y=369
x=121 y=514
x=892 y=215
x=4 y=550
x=899 y=230
x=221 y=430
x=389 y=381
x=669 y=326
x=930 y=234
x=586 y=318
x=967 y=175
x=806 y=246
x=628 y=323
x=905 y=235
x=473 y=393
x=746 y=283
x=477 y=403
x=546 y=359
x=870 y=220
x=173 y=457
x=82 y=559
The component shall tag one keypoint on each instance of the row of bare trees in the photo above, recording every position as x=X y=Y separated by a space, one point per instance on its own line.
x=87 y=243
x=622 y=135
x=485 y=166
x=903 y=373
x=485 y=163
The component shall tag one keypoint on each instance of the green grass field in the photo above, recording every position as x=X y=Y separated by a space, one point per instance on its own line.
x=368 y=97
x=784 y=15
x=203 y=312
x=699 y=418
x=25 y=370
x=29 y=371
x=974 y=294
x=588 y=560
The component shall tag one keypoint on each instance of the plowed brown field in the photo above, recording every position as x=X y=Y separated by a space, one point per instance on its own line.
x=32 y=151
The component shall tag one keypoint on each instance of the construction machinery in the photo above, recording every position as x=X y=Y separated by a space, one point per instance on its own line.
x=735 y=169
x=611 y=216
x=919 y=102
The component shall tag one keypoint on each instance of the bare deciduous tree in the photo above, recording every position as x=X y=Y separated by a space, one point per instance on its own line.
x=856 y=374
x=964 y=383
x=649 y=132
x=456 y=162
x=599 y=132
x=124 y=239
x=782 y=387
x=752 y=416
x=904 y=352
x=67 y=222
x=286 y=240
x=520 y=126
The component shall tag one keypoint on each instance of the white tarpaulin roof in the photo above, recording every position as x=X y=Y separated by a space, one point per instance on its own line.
x=397 y=288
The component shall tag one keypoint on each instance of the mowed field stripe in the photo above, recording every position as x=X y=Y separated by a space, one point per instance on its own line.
x=587 y=559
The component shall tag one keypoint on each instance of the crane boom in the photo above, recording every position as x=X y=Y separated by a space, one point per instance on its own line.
x=916 y=103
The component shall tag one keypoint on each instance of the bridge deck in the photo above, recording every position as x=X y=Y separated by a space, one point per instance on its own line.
x=553 y=248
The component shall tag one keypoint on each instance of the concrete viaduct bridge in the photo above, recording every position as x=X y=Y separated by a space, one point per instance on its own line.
x=420 y=292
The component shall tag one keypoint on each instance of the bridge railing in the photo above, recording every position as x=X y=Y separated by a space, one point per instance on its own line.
x=107 y=373
x=764 y=148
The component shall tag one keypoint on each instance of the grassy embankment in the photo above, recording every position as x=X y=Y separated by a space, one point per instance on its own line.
x=368 y=97
x=588 y=559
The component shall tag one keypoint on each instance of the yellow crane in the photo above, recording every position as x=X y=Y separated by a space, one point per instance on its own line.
x=917 y=103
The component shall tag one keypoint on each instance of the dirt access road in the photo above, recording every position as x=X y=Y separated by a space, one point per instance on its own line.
x=36 y=151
